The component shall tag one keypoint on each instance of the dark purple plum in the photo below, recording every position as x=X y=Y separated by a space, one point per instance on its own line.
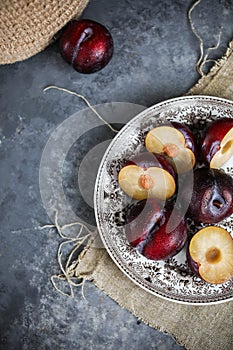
x=211 y=195
x=169 y=238
x=141 y=218
x=86 y=45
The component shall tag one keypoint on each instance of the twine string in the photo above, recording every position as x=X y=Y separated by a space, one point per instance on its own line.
x=68 y=270
x=202 y=60
x=201 y=44
x=85 y=100
x=206 y=59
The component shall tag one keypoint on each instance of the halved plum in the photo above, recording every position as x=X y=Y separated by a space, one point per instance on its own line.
x=148 y=175
x=211 y=253
x=176 y=141
x=217 y=143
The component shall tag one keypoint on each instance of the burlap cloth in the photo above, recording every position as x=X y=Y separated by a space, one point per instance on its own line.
x=28 y=26
x=195 y=327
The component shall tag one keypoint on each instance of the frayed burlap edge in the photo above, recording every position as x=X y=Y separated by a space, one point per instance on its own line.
x=205 y=84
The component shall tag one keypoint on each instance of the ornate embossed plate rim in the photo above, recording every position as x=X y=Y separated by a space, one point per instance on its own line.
x=198 y=102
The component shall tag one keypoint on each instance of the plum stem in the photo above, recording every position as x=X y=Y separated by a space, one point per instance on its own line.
x=217 y=204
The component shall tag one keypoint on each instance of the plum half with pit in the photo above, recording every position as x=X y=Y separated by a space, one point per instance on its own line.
x=217 y=143
x=167 y=239
x=210 y=254
x=176 y=141
x=211 y=195
x=86 y=45
x=148 y=175
x=140 y=220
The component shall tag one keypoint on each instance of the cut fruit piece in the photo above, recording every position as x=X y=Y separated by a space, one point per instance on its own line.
x=211 y=249
x=176 y=141
x=153 y=182
x=148 y=175
x=167 y=239
x=211 y=198
x=184 y=161
x=217 y=143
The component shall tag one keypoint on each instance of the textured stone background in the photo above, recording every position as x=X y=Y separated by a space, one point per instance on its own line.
x=154 y=59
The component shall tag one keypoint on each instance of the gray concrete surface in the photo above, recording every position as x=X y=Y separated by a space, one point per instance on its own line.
x=154 y=59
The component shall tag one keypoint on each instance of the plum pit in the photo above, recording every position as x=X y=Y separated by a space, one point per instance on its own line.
x=146 y=181
x=213 y=255
x=171 y=150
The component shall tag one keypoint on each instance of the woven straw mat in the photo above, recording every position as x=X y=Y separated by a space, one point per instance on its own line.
x=28 y=26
